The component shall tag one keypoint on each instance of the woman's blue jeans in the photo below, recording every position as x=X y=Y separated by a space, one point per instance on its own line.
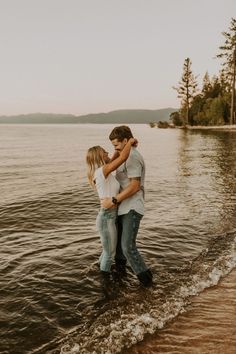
x=106 y=226
x=128 y=225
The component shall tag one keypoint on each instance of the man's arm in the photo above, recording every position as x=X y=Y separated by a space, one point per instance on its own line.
x=131 y=189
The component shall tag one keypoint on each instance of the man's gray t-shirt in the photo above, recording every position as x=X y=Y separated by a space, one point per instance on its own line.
x=133 y=167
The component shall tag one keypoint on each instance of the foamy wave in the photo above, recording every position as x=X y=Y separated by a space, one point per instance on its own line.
x=220 y=268
x=112 y=336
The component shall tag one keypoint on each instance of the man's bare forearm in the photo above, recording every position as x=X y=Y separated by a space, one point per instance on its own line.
x=130 y=190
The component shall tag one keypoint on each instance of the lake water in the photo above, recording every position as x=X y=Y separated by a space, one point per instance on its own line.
x=51 y=298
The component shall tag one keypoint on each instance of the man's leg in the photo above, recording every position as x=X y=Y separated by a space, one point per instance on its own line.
x=130 y=226
x=120 y=258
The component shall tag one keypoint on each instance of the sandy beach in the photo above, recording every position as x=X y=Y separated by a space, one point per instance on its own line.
x=207 y=327
x=213 y=127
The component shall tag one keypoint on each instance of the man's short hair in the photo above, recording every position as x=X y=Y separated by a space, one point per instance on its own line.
x=120 y=133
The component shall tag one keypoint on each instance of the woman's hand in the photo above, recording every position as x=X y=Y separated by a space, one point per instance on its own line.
x=133 y=141
x=106 y=203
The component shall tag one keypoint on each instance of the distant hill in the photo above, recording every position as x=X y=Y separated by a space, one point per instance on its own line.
x=129 y=116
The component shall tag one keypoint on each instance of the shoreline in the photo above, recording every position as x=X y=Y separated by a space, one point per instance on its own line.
x=211 y=127
x=207 y=327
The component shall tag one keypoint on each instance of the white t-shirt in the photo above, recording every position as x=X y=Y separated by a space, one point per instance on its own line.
x=133 y=167
x=106 y=187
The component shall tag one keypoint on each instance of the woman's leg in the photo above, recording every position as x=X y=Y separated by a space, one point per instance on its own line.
x=106 y=224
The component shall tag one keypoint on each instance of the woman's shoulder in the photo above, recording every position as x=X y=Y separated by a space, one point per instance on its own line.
x=99 y=172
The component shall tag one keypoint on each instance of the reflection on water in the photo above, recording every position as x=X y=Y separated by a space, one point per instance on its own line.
x=51 y=296
x=210 y=168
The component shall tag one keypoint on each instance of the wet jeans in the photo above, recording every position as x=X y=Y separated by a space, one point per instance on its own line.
x=128 y=225
x=106 y=226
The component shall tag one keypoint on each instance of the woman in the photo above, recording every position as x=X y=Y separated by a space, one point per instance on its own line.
x=100 y=177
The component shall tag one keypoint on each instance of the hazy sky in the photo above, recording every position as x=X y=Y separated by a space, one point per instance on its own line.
x=84 y=56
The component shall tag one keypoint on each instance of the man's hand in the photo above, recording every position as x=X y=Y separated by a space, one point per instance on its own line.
x=106 y=203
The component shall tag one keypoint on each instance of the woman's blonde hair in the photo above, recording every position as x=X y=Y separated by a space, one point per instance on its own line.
x=94 y=160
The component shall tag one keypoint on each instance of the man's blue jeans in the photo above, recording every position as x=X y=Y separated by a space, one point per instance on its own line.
x=106 y=225
x=128 y=225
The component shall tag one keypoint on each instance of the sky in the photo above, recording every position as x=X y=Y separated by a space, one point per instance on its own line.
x=90 y=56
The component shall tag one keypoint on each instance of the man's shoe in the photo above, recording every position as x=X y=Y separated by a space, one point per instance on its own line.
x=145 y=278
x=150 y=273
x=105 y=280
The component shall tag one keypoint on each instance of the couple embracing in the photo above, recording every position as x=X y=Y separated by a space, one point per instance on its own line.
x=122 y=203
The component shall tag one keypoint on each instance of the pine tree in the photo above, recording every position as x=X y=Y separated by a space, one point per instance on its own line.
x=228 y=53
x=187 y=88
x=206 y=85
x=224 y=82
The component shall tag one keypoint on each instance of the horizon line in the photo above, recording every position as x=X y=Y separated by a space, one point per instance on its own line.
x=86 y=114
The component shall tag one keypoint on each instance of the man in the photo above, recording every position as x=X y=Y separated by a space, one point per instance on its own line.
x=131 y=176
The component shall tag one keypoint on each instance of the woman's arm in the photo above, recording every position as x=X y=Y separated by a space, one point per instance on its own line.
x=124 y=154
x=114 y=156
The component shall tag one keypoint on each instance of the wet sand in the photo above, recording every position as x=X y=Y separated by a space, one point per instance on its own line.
x=208 y=325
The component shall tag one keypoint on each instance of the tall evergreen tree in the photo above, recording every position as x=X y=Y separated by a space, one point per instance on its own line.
x=228 y=53
x=224 y=82
x=216 y=89
x=206 y=85
x=186 y=89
